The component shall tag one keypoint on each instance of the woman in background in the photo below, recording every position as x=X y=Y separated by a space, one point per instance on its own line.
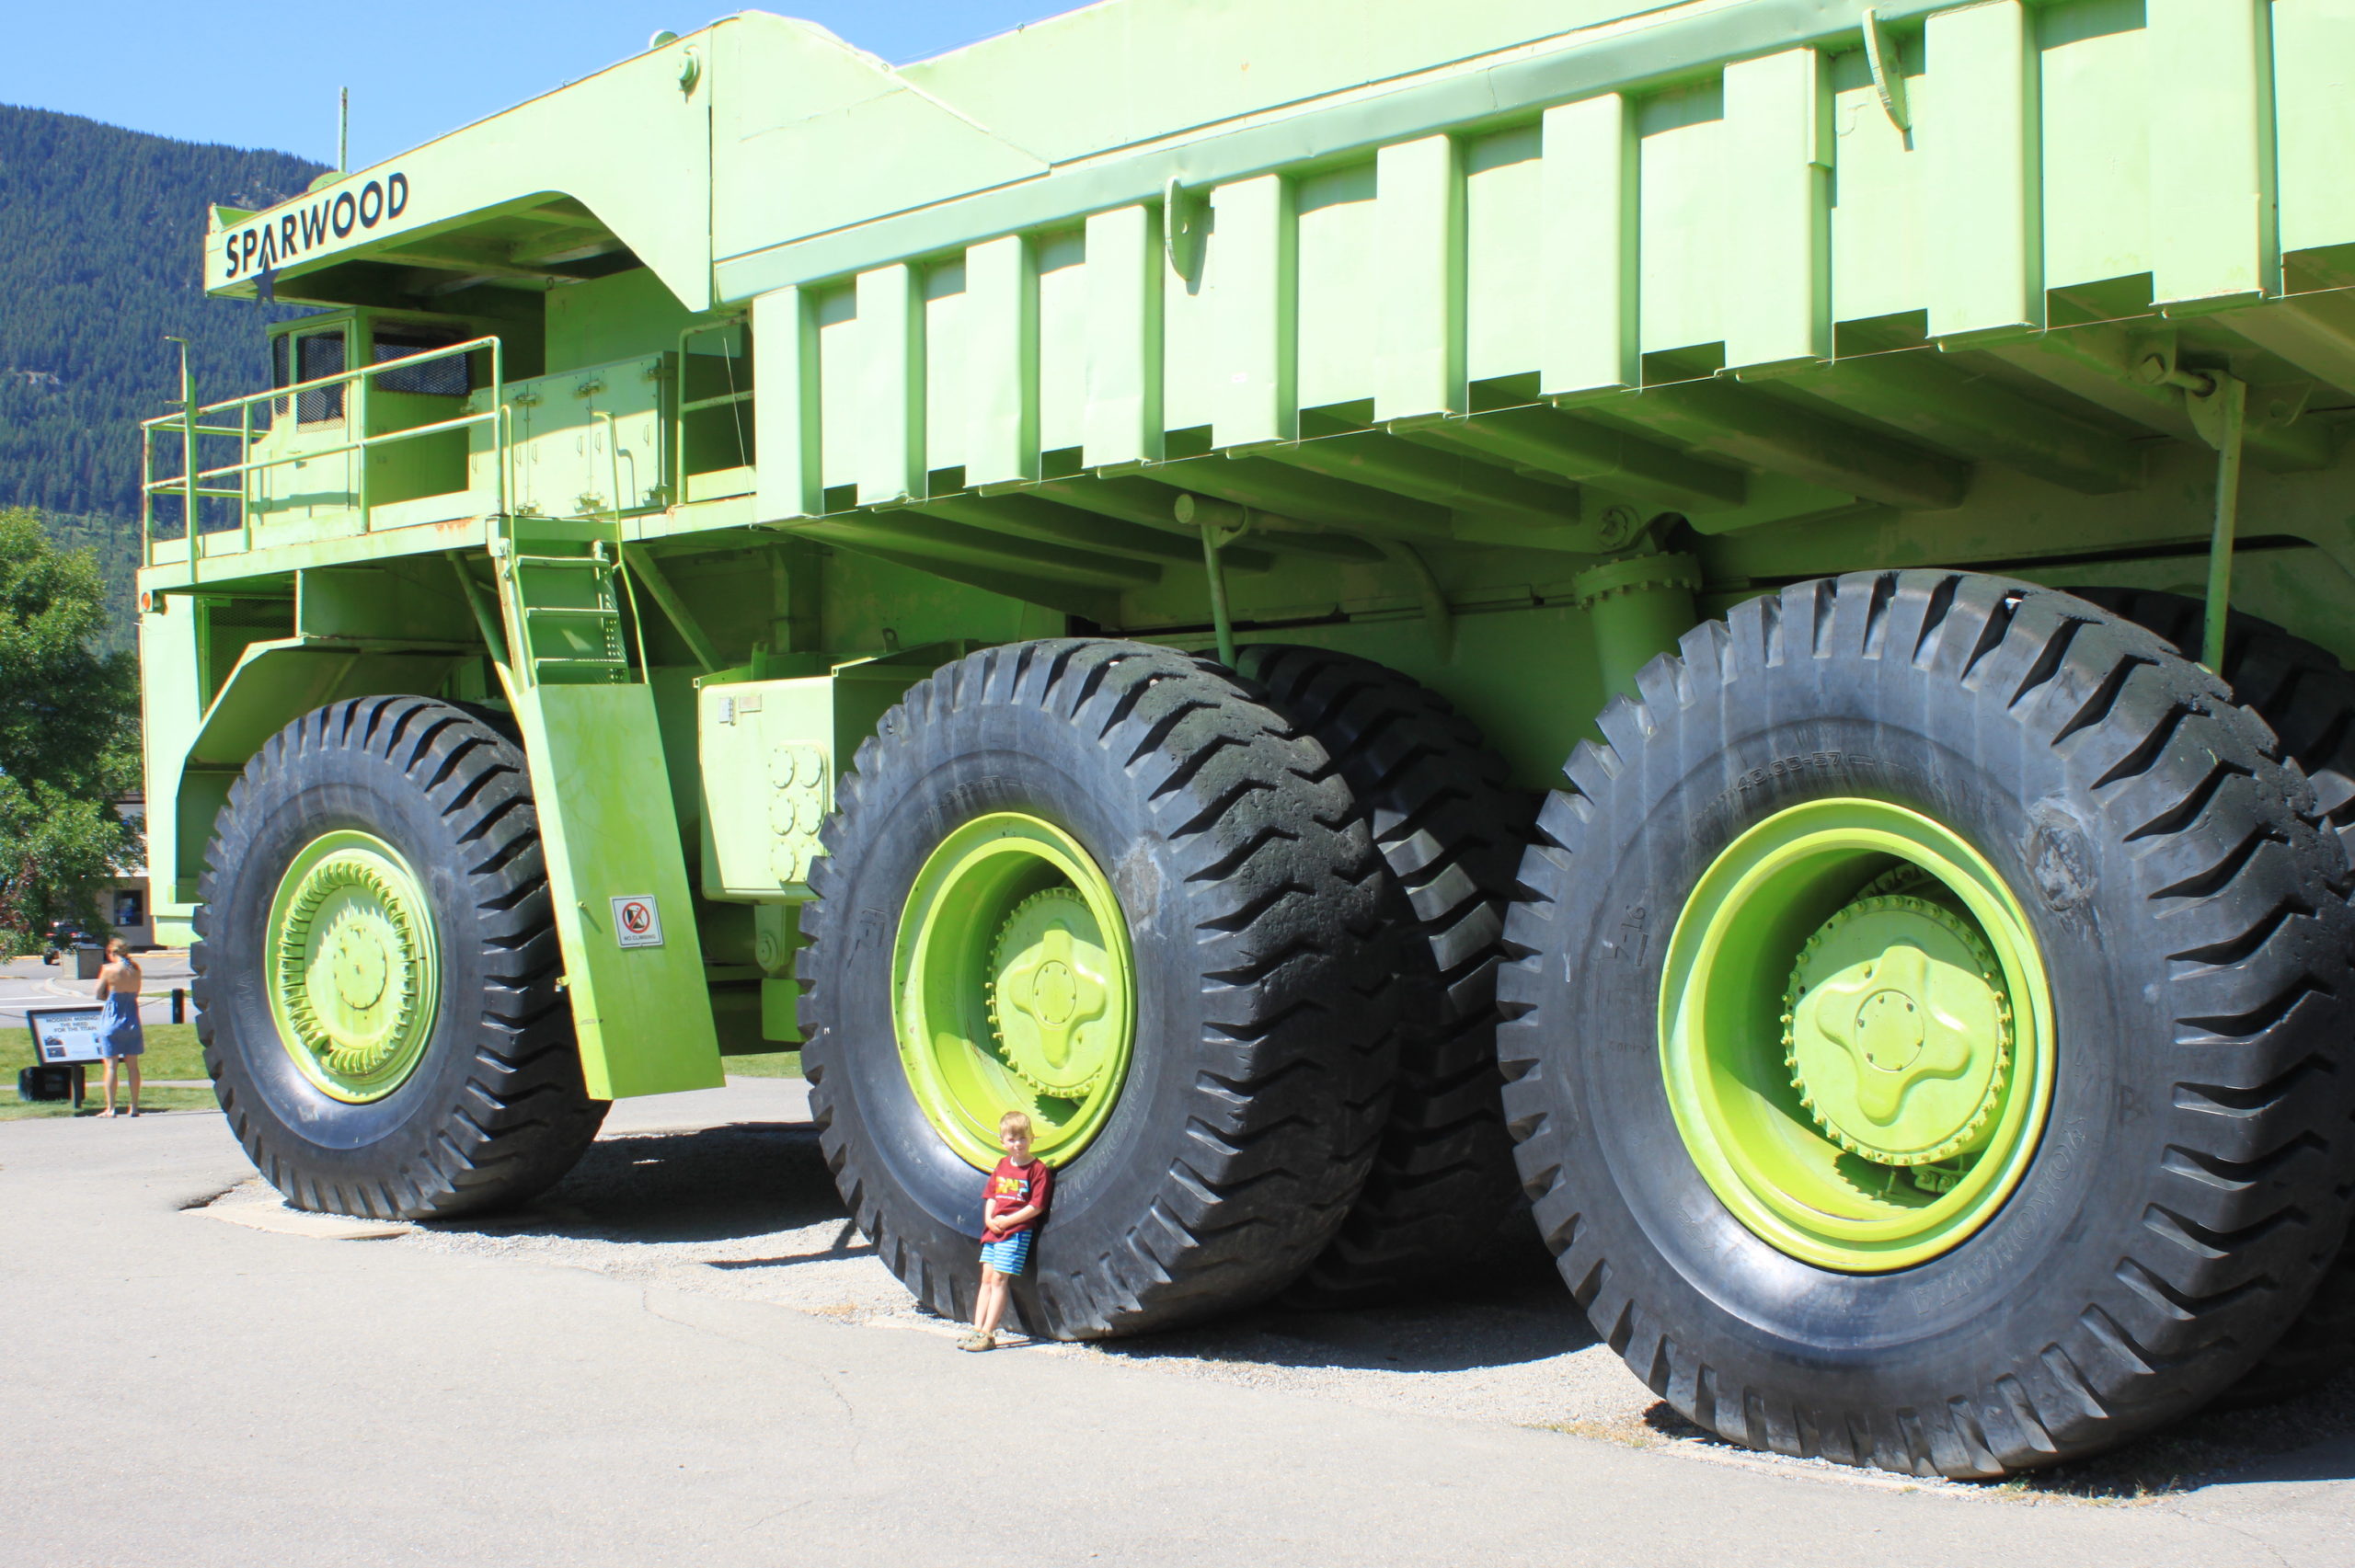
x=119 y=1033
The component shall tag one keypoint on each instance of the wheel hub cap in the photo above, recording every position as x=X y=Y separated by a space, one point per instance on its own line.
x=1014 y=988
x=1857 y=1034
x=353 y=971
x=1896 y=1035
x=361 y=968
x=1051 y=998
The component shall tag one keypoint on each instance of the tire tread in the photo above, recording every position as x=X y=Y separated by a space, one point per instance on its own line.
x=1288 y=1106
x=1441 y=1208
x=2307 y=698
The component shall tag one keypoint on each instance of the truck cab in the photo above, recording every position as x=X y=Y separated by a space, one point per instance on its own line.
x=325 y=457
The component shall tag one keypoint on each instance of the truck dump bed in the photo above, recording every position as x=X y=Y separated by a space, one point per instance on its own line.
x=1449 y=307
x=1673 y=255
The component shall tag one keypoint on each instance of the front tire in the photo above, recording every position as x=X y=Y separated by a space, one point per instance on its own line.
x=1208 y=1068
x=1982 y=1287
x=375 y=982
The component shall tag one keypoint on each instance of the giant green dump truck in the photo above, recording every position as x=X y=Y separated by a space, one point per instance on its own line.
x=1707 y=634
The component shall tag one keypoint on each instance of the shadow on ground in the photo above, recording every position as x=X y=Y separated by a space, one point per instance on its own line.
x=719 y=1184
x=2311 y=1437
x=748 y=1180
x=2308 y=1438
x=1502 y=1327
x=754 y=1179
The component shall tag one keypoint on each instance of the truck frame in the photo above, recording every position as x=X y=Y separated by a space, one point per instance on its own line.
x=1703 y=637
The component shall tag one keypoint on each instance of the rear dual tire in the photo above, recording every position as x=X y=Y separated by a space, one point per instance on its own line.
x=2307 y=698
x=1442 y=1211
x=2171 y=1198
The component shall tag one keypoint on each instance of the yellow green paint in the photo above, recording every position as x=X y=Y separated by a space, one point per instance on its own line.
x=1014 y=987
x=1861 y=1077
x=916 y=353
x=352 y=966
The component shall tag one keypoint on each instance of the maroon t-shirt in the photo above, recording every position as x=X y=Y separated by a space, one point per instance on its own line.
x=1013 y=1186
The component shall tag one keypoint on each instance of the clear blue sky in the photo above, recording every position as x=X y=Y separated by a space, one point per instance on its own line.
x=264 y=73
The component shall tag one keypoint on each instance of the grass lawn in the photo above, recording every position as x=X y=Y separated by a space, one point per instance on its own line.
x=180 y=1101
x=172 y=1052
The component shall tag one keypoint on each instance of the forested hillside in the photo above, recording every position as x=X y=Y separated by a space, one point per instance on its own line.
x=99 y=229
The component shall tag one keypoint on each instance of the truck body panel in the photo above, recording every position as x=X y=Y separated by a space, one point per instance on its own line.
x=1452 y=311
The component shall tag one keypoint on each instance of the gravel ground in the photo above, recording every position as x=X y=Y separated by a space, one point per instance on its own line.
x=748 y=1211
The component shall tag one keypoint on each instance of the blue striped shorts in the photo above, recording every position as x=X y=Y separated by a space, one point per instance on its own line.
x=1009 y=1256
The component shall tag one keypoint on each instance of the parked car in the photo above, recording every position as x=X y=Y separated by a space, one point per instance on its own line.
x=63 y=937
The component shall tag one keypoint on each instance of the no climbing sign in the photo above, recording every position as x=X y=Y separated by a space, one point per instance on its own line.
x=637 y=921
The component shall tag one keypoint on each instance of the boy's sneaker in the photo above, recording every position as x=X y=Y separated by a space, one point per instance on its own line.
x=977 y=1340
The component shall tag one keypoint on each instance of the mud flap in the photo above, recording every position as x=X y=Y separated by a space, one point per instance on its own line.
x=618 y=877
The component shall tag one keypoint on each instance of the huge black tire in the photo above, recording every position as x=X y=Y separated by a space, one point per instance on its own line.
x=2307 y=698
x=1443 y=1207
x=495 y=1110
x=1263 y=1055
x=2171 y=872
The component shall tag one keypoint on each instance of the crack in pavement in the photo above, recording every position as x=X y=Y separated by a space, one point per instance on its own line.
x=850 y=1409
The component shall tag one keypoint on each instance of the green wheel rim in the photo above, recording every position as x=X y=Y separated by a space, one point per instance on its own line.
x=1857 y=1034
x=1014 y=988
x=352 y=966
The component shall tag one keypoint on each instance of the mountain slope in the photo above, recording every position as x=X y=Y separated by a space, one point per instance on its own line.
x=99 y=230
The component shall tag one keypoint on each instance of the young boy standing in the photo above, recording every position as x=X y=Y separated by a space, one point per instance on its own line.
x=1013 y=1202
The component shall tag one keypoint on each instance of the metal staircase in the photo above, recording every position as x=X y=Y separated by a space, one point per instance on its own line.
x=565 y=615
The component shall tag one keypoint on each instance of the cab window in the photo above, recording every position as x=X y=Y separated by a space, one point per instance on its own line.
x=307 y=356
x=447 y=377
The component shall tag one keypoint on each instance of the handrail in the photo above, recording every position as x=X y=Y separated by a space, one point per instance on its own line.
x=385 y=438
x=190 y=481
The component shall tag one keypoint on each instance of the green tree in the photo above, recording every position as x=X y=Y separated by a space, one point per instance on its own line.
x=68 y=735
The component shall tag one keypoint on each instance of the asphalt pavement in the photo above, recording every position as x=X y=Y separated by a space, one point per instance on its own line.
x=188 y=1392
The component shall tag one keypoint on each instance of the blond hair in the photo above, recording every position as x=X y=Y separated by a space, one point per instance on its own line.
x=1013 y=1121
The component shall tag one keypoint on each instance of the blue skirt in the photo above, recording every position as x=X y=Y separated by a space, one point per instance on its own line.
x=119 y=1033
